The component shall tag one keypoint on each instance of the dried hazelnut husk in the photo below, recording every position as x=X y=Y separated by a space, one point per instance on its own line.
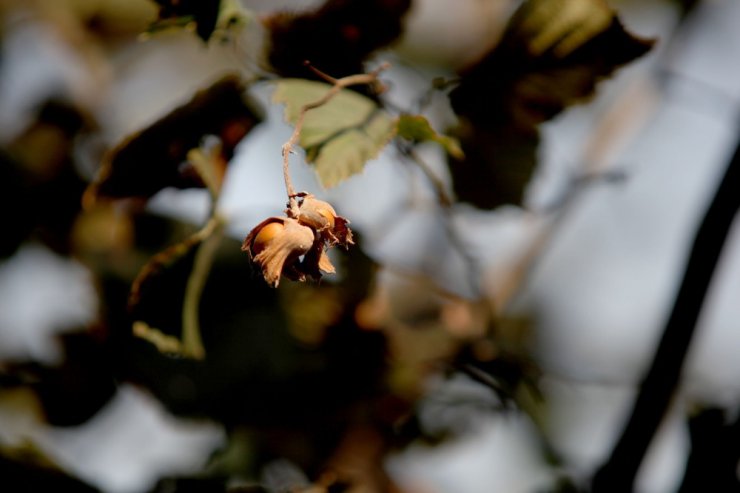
x=322 y=217
x=295 y=246
x=317 y=262
x=276 y=245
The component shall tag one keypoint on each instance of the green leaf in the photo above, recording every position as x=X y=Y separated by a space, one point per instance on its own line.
x=345 y=110
x=346 y=154
x=417 y=129
x=339 y=136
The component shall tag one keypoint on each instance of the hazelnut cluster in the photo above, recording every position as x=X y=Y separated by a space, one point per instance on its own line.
x=295 y=247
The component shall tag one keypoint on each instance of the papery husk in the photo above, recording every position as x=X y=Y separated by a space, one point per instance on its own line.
x=317 y=262
x=281 y=256
x=312 y=212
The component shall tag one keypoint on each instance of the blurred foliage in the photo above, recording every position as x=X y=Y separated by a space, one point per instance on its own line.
x=27 y=477
x=37 y=169
x=157 y=157
x=337 y=37
x=181 y=12
x=551 y=56
x=315 y=383
x=210 y=18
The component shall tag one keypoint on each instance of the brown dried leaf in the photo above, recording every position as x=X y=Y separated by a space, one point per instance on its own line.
x=150 y=160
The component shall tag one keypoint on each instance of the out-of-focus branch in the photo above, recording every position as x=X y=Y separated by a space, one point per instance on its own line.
x=659 y=385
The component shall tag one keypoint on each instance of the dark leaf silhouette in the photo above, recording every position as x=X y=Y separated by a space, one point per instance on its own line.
x=70 y=393
x=27 y=476
x=498 y=164
x=336 y=38
x=157 y=156
x=715 y=451
x=181 y=12
x=36 y=171
x=532 y=75
x=552 y=55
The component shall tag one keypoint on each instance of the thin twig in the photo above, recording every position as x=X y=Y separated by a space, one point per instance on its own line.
x=287 y=149
x=328 y=78
x=439 y=187
x=211 y=234
x=164 y=343
x=434 y=286
x=445 y=202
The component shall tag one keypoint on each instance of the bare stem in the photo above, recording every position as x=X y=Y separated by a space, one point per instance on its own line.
x=287 y=149
x=211 y=234
x=446 y=202
x=328 y=78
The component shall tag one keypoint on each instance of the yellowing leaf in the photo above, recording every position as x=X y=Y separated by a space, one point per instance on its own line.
x=416 y=128
x=339 y=136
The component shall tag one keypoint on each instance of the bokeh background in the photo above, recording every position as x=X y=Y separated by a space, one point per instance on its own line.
x=459 y=349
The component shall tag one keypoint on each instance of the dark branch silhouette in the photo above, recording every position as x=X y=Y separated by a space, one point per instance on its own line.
x=659 y=385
